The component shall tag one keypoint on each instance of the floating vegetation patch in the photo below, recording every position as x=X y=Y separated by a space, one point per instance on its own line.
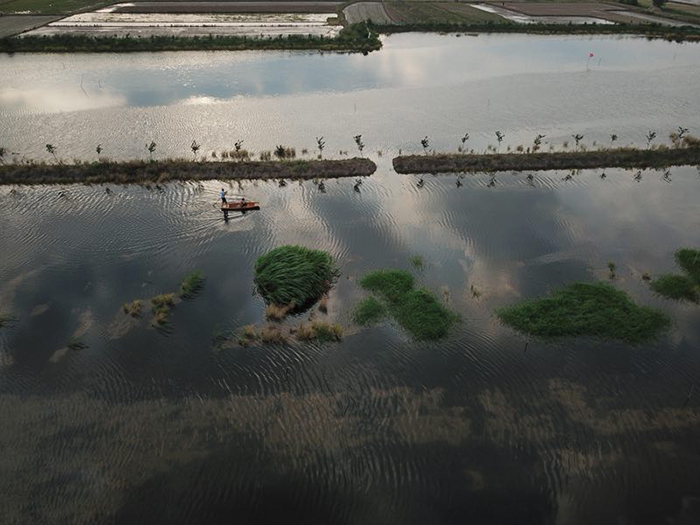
x=294 y=276
x=417 y=262
x=75 y=343
x=161 y=306
x=275 y=333
x=133 y=308
x=417 y=310
x=7 y=319
x=681 y=287
x=319 y=331
x=586 y=309
x=191 y=285
x=369 y=311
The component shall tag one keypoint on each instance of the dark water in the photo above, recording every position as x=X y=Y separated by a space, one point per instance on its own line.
x=150 y=426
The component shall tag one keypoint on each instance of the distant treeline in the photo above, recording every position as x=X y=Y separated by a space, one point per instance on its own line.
x=356 y=38
x=683 y=33
x=609 y=158
x=142 y=172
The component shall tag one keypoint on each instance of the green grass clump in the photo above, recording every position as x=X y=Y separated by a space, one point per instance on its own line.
x=368 y=311
x=681 y=287
x=586 y=309
x=294 y=275
x=678 y=287
x=417 y=262
x=417 y=311
x=391 y=285
x=689 y=260
x=421 y=313
x=192 y=284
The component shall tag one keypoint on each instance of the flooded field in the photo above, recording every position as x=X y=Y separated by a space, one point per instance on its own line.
x=107 y=419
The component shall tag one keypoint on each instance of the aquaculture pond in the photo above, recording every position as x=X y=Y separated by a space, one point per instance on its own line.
x=110 y=415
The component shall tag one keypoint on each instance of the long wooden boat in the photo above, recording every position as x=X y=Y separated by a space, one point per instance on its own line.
x=240 y=206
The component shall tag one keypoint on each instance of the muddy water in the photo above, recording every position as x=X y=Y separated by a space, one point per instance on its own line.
x=184 y=426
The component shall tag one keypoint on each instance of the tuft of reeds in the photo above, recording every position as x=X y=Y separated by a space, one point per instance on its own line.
x=319 y=331
x=191 y=285
x=273 y=334
x=276 y=312
x=681 y=287
x=417 y=262
x=133 y=308
x=294 y=275
x=161 y=306
x=285 y=152
x=586 y=309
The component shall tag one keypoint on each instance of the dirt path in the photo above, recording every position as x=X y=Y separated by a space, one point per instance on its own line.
x=15 y=24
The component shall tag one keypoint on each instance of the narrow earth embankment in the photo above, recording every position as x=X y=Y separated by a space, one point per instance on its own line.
x=137 y=172
x=611 y=158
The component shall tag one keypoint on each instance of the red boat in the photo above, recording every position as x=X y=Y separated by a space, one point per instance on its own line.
x=240 y=206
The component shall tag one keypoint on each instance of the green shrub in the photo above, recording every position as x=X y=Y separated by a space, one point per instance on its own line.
x=294 y=275
x=586 y=309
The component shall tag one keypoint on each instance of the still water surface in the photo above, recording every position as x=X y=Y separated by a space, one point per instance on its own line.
x=148 y=426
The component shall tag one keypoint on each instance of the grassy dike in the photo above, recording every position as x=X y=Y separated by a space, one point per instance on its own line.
x=608 y=158
x=356 y=38
x=141 y=172
x=677 y=34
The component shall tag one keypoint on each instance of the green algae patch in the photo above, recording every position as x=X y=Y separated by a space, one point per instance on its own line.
x=681 y=287
x=586 y=309
x=417 y=310
x=294 y=276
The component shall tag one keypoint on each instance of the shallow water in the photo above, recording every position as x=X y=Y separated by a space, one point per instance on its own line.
x=177 y=426
x=417 y=85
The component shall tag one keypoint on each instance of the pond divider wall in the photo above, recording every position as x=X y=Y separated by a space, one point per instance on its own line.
x=137 y=172
x=611 y=158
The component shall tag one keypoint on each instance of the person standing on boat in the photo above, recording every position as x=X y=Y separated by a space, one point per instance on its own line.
x=223 y=196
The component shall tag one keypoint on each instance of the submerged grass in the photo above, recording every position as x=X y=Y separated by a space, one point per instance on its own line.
x=191 y=285
x=369 y=311
x=586 y=309
x=417 y=311
x=294 y=276
x=681 y=287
